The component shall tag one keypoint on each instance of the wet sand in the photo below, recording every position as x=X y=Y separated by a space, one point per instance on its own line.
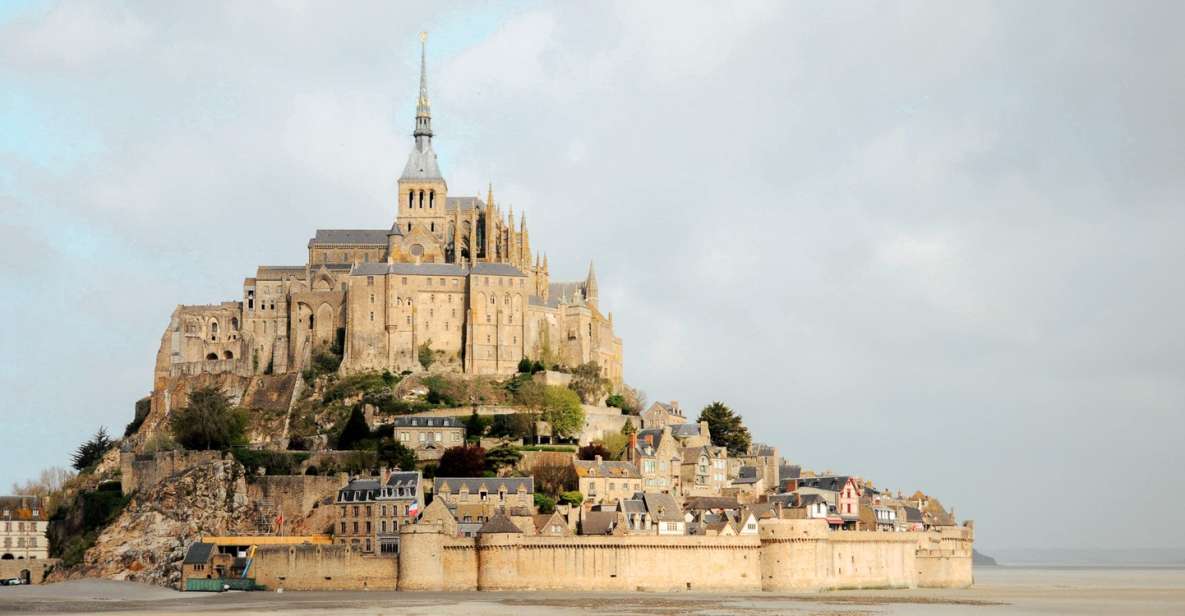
x=997 y=591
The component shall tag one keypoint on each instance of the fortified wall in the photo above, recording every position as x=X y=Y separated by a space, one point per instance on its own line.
x=321 y=567
x=786 y=555
x=137 y=470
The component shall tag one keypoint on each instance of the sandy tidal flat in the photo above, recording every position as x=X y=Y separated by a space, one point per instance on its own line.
x=997 y=591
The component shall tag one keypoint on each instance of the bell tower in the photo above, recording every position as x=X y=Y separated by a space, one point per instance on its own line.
x=422 y=189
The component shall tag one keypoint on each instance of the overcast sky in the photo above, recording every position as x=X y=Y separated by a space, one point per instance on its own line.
x=937 y=245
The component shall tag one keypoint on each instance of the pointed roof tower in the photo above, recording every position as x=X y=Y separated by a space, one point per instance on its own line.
x=590 y=284
x=421 y=164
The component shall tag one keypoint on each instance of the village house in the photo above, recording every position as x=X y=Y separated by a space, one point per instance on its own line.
x=653 y=513
x=551 y=525
x=23 y=524
x=662 y=414
x=748 y=485
x=655 y=453
x=606 y=481
x=428 y=437
x=703 y=471
x=371 y=511
x=500 y=491
x=841 y=492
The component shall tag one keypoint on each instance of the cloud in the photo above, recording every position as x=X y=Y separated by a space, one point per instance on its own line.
x=932 y=245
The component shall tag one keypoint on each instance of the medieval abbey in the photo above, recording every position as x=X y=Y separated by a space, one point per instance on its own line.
x=453 y=276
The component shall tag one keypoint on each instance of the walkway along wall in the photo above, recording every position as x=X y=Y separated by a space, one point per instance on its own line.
x=787 y=555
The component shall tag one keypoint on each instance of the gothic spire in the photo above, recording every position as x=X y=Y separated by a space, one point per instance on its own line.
x=590 y=284
x=423 y=109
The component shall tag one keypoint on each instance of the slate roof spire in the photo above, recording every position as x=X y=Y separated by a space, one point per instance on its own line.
x=423 y=108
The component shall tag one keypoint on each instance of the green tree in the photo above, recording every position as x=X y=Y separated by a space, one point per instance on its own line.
x=561 y=409
x=208 y=421
x=544 y=503
x=615 y=444
x=517 y=426
x=628 y=428
x=588 y=382
x=425 y=355
x=394 y=454
x=616 y=401
x=354 y=431
x=475 y=427
x=502 y=457
x=524 y=366
x=91 y=452
x=573 y=498
x=726 y=428
x=463 y=461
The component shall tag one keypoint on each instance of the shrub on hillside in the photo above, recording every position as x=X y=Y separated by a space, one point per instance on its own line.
x=91 y=452
x=462 y=461
x=208 y=421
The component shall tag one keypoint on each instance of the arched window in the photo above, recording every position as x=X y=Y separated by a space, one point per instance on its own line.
x=431 y=198
x=234 y=324
x=212 y=356
x=432 y=226
x=411 y=199
x=421 y=199
x=228 y=355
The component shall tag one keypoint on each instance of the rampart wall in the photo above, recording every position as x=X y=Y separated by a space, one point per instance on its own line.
x=295 y=495
x=138 y=470
x=786 y=556
x=321 y=567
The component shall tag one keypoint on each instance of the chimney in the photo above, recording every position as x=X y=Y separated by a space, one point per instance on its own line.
x=384 y=474
x=633 y=444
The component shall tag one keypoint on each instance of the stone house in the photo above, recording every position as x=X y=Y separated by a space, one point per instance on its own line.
x=652 y=513
x=23 y=524
x=662 y=414
x=703 y=470
x=606 y=481
x=428 y=437
x=551 y=525
x=655 y=453
x=371 y=511
x=692 y=434
x=499 y=491
x=842 y=492
x=207 y=561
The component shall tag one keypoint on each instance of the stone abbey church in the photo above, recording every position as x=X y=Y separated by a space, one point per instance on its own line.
x=454 y=273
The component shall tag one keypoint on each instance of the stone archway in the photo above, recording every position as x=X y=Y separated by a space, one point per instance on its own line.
x=323 y=331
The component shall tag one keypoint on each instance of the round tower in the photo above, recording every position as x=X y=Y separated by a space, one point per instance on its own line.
x=794 y=555
x=421 y=557
x=498 y=543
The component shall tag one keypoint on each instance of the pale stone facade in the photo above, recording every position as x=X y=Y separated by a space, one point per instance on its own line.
x=606 y=482
x=23 y=522
x=454 y=273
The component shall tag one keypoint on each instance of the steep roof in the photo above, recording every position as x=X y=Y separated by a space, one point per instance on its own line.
x=662 y=507
x=685 y=430
x=22 y=508
x=463 y=203
x=499 y=524
x=413 y=421
x=598 y=522
x=696 y=503
x=606 y=468
x=491 y=484
x=832 y=484
x=347 y=237
x=436 y=269
x=198 y=553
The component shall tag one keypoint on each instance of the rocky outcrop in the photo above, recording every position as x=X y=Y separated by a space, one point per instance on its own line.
x=147 y=542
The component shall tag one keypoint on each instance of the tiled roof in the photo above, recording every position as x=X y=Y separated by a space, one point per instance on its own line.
x=436 y=269
x=499 y=524
x=463 y=203
x=606 y=468
x=695 y=503
x=198 y=553
x=491 y=484
x=598 y=522
x=833 y=484
x=368 y=237
x=22 y=508
x=684 y=430
x=412 y=421
x=662 y=507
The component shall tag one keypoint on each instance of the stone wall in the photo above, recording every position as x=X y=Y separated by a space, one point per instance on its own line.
x=36 y=568
x=296 y=495
x=321 y=567
x=787 y=556
x=144 y=470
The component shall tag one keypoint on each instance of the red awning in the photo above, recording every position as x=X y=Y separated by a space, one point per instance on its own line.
x=835 y=520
